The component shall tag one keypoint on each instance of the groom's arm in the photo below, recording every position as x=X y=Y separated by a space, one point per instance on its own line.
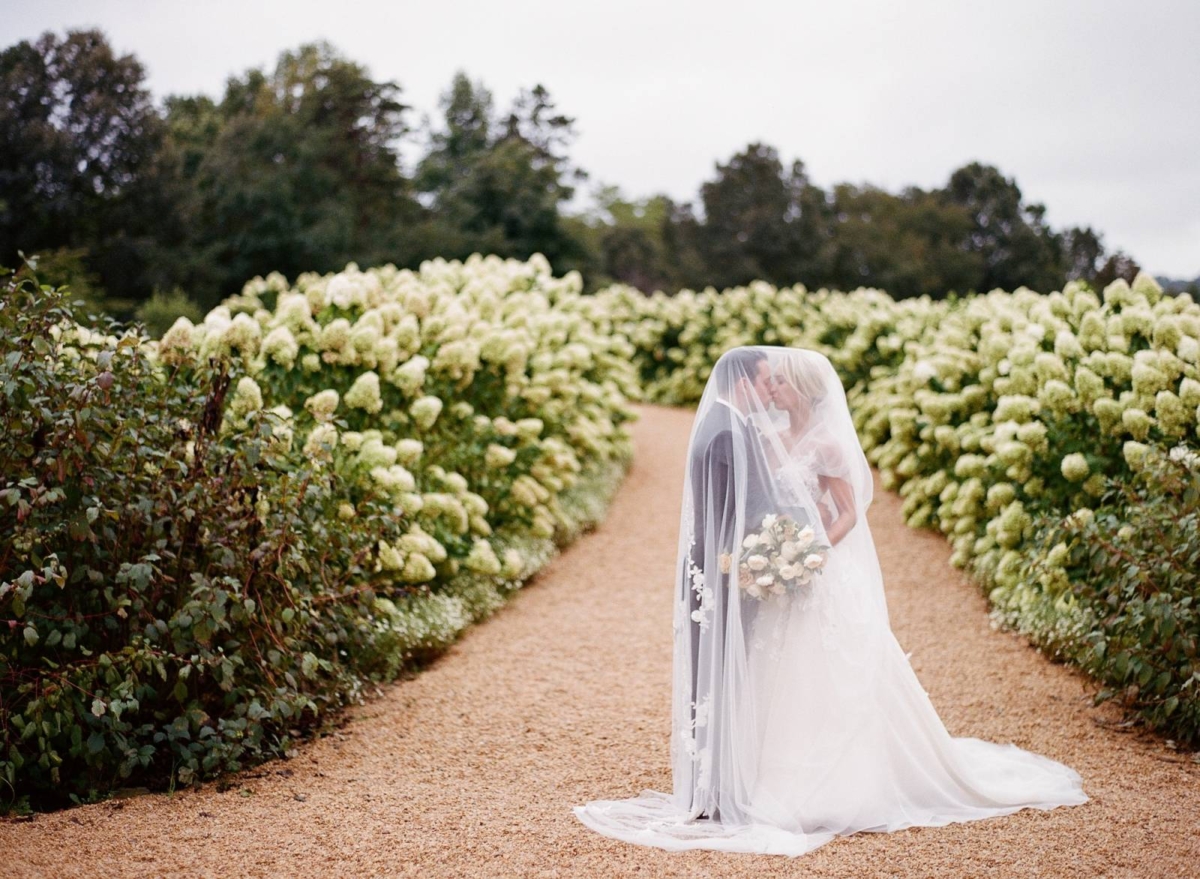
x=724 y=491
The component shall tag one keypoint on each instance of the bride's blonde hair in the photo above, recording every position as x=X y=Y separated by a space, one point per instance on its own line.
x=803 y=378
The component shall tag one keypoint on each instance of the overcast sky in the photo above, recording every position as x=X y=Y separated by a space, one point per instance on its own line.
x=1092 y=105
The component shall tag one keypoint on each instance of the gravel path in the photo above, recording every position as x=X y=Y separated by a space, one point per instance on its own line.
x=471 y=768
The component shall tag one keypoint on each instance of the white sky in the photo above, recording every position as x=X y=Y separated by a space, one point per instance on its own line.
x=1092 y=105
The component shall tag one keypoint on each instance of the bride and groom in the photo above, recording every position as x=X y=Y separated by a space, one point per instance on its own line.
x=796 y=717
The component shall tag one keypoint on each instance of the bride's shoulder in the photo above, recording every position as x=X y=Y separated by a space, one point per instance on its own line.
x=826 y=449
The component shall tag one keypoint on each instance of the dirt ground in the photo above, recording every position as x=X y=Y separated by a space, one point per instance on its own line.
x=472 y=767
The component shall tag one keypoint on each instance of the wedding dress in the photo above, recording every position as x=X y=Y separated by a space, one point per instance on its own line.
x=796 y=717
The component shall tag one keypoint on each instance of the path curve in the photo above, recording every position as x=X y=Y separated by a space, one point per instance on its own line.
x=471 y=768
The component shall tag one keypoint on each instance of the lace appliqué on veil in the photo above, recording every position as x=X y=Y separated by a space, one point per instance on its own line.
x=704 y=594
x=687 y=732
x=700 y=711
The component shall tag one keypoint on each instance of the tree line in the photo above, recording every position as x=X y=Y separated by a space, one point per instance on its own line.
x=299 y=169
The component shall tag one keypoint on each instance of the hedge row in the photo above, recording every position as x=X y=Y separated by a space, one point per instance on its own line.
x=999 y=418
x=209 y=545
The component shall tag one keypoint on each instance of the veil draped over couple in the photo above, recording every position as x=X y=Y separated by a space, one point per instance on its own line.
x=796 y=717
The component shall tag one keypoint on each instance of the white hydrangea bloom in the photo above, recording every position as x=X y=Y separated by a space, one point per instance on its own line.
x=410 y=376
x=281 y=346
x=390 y=559
x=178 y=343
x=394 y=478
x=513 y=564
x=244 y=334
x=1135 y=454
x=498 y=457
x=409 y=451
x=1075 y=467
x=1137 y=422
x=364 y=393
x=417 y=569
x=335 y=335
x=425 y=411
x=482 y=558
x=373 y=453
x=247 y=398
x=530 y=428
x=322 y=405
x=1188 y=349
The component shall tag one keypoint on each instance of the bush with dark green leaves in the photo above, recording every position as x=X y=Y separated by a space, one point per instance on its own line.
x=1117 y=591
x=183 y=592
x=164 y=308
x=174 y=598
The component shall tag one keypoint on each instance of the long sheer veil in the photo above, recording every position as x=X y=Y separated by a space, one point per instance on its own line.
x=795 y=715
x=746 y=465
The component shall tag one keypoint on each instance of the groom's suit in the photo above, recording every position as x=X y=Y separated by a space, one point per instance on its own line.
x=714 y=473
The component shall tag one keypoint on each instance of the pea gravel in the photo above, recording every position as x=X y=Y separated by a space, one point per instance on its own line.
x=471 y=768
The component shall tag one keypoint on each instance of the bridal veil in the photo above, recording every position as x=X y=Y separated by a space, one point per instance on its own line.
x=795 y=714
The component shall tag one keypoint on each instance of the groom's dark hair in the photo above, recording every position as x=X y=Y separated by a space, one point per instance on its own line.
x=735 y=364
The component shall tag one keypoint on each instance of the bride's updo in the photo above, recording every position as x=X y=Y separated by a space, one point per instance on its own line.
x=803 y=377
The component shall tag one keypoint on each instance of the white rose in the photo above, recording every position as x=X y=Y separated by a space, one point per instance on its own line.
x=751 y=541
x=805 y=537
x=813 y=560
x=769 y=520
x=757 y=562
x=790 y=551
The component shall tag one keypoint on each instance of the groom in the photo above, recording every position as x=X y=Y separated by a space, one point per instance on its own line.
x=741 y=376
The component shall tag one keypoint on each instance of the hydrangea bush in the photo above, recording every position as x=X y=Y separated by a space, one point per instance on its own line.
x=1117 y=590
x=993 y=416
x=210 y=543
x=472 y=392
x=679 y=338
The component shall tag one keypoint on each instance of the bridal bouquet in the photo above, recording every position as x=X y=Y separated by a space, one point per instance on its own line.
x=778 y=559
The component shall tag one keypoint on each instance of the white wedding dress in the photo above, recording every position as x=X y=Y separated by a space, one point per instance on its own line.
x=798 y=718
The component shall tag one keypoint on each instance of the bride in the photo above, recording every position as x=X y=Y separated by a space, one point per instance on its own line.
x=796 y=717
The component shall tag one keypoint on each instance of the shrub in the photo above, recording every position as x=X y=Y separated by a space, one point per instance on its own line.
x=990 y=415
x=190 y=578
x=1118 y=592
x=162 y=309
x=178 y=599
